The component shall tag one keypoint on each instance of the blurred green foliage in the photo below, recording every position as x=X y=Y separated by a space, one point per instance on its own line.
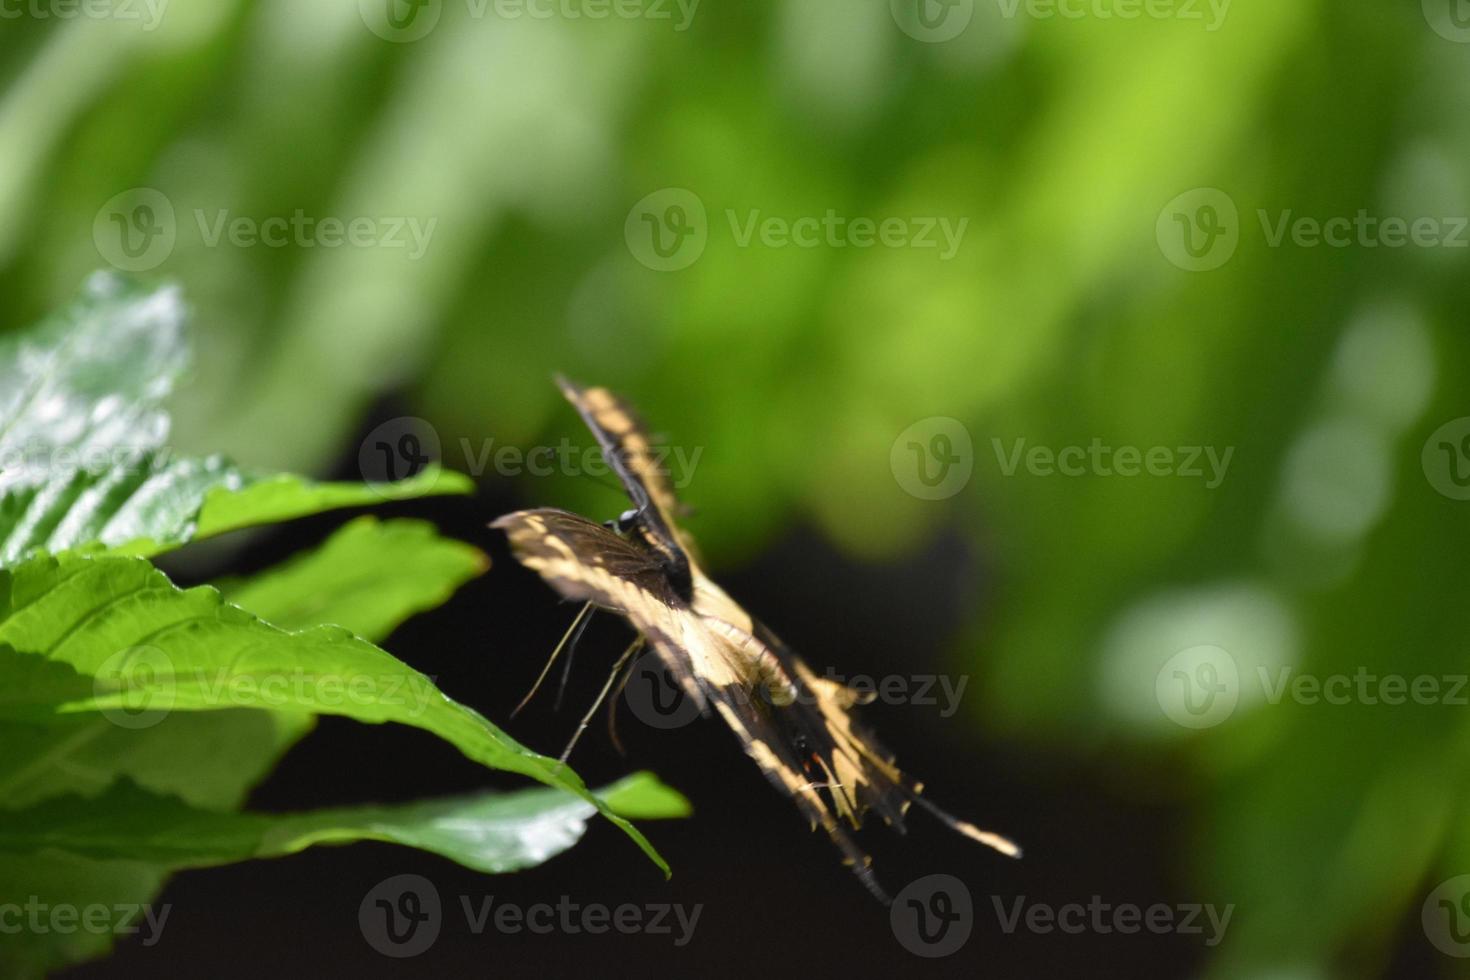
x=1327 y=548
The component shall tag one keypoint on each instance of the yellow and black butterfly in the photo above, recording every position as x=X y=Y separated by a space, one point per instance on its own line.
x=798 y=727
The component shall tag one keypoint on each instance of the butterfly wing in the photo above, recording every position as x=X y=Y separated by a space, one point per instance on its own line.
x=585 y=561
x=800 y=729
x=631 y=454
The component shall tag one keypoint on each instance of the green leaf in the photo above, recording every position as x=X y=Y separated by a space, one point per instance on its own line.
x=159 y=504
x=281 y=498
x=117 y=848
x=489 y=832
x=113 y=636
x=369 y=577
x=83 y=454
x=211 y=759
x=61 y=879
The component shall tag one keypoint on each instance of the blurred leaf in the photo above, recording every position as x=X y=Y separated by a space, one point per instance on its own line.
x=89 y=381
x=488 y=832
x=83 y=459
x=369 y=576
x=115 y=849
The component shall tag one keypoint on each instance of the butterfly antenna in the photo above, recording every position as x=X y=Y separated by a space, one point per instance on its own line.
x=612 y=711
x=573 y=633
x=587 y=718
x=566 y=670
x=1002 y=844
x=605 y=484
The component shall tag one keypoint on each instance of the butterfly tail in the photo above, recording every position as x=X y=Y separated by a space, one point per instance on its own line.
x=1004 y=845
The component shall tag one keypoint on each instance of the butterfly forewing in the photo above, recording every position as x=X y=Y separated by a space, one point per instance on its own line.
x=631 y=454
x=585 y=561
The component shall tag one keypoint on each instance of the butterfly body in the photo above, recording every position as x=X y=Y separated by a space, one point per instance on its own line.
x=795 y=725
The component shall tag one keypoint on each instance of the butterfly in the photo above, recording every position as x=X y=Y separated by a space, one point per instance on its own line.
x=798 y=727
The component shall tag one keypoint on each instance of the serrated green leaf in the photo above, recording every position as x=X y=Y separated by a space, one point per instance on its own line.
x=148 y=649
x=157 y=505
